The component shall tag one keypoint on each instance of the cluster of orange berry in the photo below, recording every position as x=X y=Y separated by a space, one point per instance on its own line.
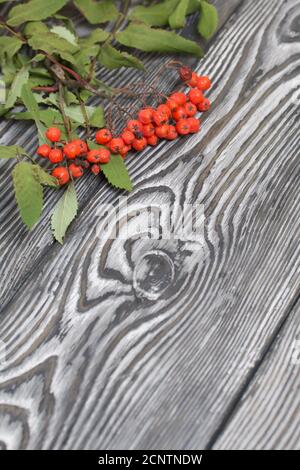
x=176 y=117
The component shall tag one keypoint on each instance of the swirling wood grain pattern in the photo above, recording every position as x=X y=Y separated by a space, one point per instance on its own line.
x=127 y=358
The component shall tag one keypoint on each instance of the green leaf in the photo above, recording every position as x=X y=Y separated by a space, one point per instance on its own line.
x=66 y=34
x=32 y=106
x=11 y=151
x=155 y=15
x=64 y=212
x=208 y=21
x=97 y=12
x=29 y=193
x=34 y=10
x=177 y=18
x=111 y=58
x=15 y=91
x=95 y=115
x=98 y=35
x=97 y=119
x=35 y=27
x=9 y=46
x=149 y=39
x=116 y=173
x=53 y=44
x=44 y=178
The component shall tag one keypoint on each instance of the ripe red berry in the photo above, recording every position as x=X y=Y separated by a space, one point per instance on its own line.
x=204 y=105
x=179 y=98
x=56 y=156
x=75 y=170
x=162 y=131
x=172 y=105
x=203 y=83
x=165 y=110
x=179 y=113
x=128 y=137
x=172 y=133
x=190 y=109
x=148 y=130
x=194 y=124
x=44 y=150
x=183 y=127
x=125 y=150
x=145 y=115
x=72 y=150
x=103 y=136
x=135 y=126
x=98 y=156
x=82 y=146
x=139 y=144
x=193 y=81
x=53 y=134
x=61 y=174
x=95 y=169
x=196 y=96
x=153 y=140
x=160 y=118
x=116 y=145
x=185 y=74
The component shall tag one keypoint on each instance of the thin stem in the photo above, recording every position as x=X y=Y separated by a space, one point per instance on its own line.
x=85 y=115
x=66 y=120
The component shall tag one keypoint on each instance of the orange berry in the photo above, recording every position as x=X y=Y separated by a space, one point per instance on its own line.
x=116 y=145
x=148 y=130
x=95 y=169
x=44 y=150
x=193 y=81
x=179 y=98
x=172 y=133
x=135 y=126
x=82 y=145
x=139 y=144
x=127 y=136
x=125 y=150
x=56 y=156
x=145 y=115
x=194 y=124
x=53 y=134
x=75 y=170
x=153 y=140
x=72 y=150
x=61 y=174
x=204 y=105
x=183 y=127
x=165 y=110
x=179 y=113
x=196 y=96
x=190 y=109
x=103 y=136
x=160 y=118
x=98 y=156
x=162 y=131
x=203 y=83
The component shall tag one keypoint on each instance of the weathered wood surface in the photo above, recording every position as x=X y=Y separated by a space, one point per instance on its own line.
x=267 y=416
x=99 y=357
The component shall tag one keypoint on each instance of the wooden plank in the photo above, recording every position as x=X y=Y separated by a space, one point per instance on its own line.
x=21 y=249
x=101 y=352
x=267 y=416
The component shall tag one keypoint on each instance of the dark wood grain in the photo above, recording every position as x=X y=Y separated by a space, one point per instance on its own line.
x=267 y=416
x=96 y=360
